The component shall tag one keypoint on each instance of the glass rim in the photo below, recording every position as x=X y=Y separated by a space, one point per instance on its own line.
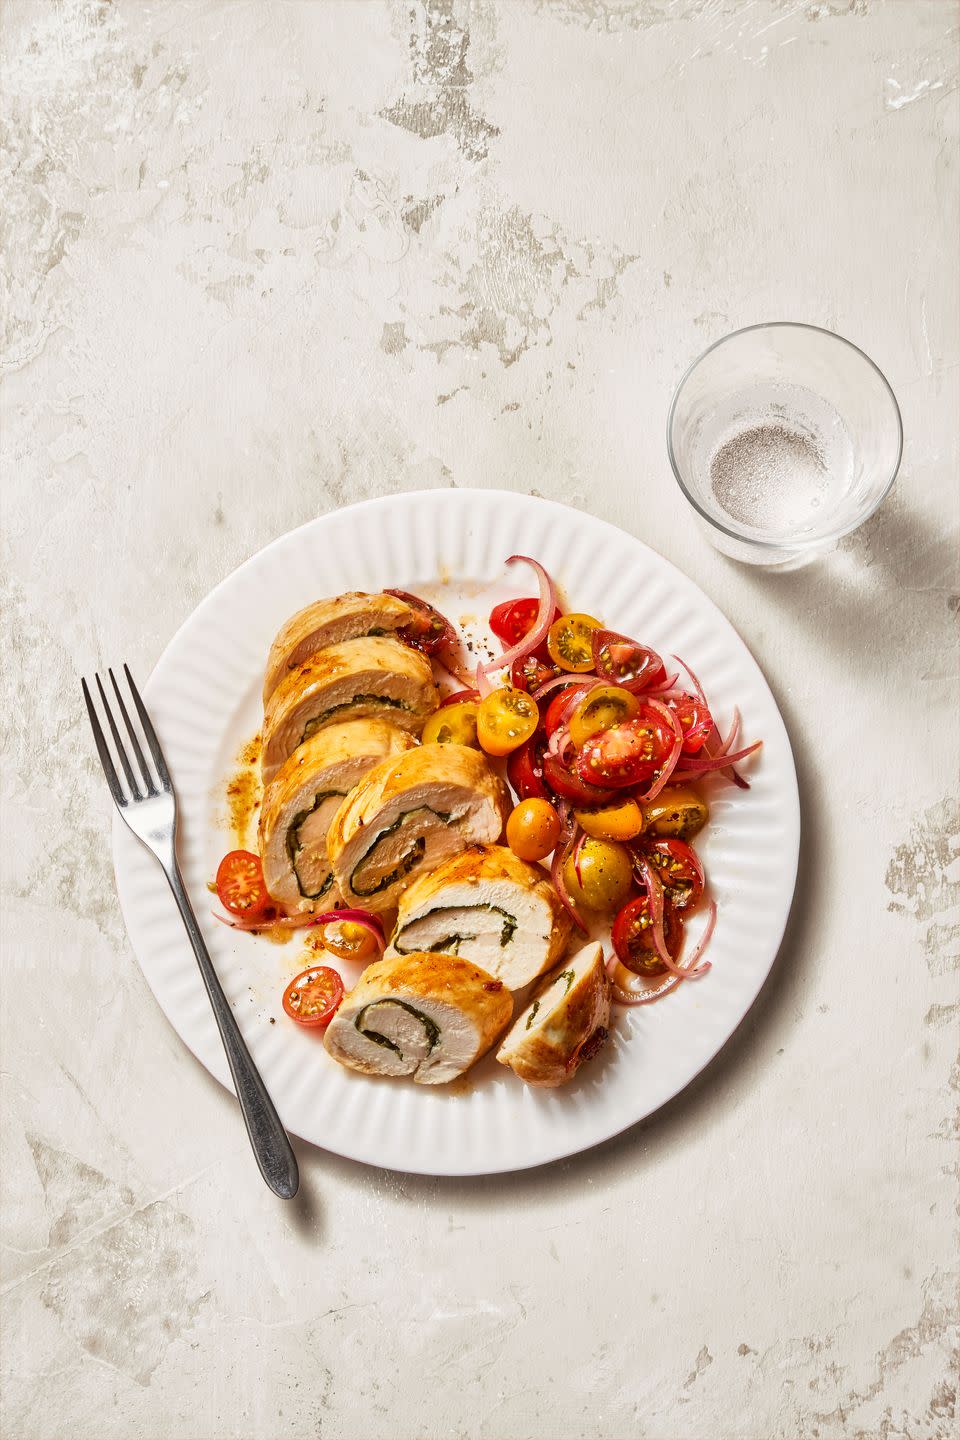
x=741 y=535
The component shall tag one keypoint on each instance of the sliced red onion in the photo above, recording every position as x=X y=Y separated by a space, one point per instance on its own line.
x=655 y=891
x=732 y=733
x=713 y=739
x=538 y=633
x=485 y=685
x=664 y=688
x=670 y=764
x=570 y=678
x=577 y=852
x=694 y=765
x=630 y=989
x=355 y=917
x=284 y=922
x=560 y=856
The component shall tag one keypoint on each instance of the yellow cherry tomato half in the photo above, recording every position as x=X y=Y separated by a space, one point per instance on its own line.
x=505 y=720
x=570 y=642
x=614 y=822
x=677 y=811
x=601 y=707
x=533 y=829
x=453 y=725
x=348 y=940
x=606 y=875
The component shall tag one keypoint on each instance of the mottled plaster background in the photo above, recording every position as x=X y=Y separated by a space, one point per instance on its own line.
x=262 y=259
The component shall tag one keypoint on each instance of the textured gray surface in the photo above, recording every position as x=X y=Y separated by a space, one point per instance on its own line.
x=262 y=259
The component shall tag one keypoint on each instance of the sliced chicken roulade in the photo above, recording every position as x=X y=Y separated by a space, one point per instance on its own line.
x=302 y=799
x=564 y=1024
x=488 y=907
x=407 y=815
x=331 y=622
x=426 y=1016
x=361 y=679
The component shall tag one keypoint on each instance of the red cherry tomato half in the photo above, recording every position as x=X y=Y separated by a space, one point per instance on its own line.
x=695 y=719
x=525 y=769
x=624 y=662
x=626 y=754
x=313 y=997
x=678 y=869
x=530 y=672
x=569 y=785
x=428 y=631
x=632 y=936
x=240 y=885
x=562 y=704
x=512 y=620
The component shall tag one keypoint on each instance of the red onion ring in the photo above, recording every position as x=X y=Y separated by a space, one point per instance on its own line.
x=630 y=989
x=732 y=734
x=285 y=922
x=713 y=738
x=694 y=765
x=577 y=851
x=587 y=682
x=485 y=685
x=538 y=633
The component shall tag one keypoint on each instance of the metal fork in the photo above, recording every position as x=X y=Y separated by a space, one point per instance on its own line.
x=150 y=812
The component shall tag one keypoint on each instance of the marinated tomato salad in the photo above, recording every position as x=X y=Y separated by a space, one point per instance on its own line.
x=605 y=744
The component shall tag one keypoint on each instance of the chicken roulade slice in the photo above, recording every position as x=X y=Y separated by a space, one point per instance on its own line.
x=302 y=799
x=564 y=1024
x=407 y=815
x=488 y=907
x=359 y=680
x=426 y=1016
x=331 y=622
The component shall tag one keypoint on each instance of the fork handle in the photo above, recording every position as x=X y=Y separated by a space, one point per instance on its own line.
x=278 y=1164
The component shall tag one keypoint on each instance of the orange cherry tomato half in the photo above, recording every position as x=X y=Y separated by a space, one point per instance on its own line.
x=241 y=887
x=348 y=940
x=533 y=829
x=505 y=720
x=570 y=642
x=613 y=822
x=313 y=996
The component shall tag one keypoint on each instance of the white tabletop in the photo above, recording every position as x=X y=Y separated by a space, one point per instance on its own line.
x=270 y=258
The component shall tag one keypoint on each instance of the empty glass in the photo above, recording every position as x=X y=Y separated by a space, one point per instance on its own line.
x=783 y=437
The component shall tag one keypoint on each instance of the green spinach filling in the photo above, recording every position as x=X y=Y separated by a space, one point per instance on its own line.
x=569 y=976
x=294 y=848
x=407 y=862
x=448 y=945
x=318 y=721
x=430 y=1028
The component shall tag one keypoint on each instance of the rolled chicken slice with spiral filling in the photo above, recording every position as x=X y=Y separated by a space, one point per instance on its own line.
x=565 y=1023
x=359 y=680
x=489 y=907
x=409 y=814
x=426 y=1016
x=301 y=801
x=331 y=622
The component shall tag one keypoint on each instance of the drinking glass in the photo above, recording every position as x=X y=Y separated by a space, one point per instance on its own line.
x=783 y=437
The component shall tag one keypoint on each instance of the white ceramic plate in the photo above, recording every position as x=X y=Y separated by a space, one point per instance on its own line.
x=450 y=546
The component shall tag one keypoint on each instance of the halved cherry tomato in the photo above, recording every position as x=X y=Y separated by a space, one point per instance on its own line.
x=623 y=661
x=505 y=719
x=626 y=754
x=569 y=786
x=601 y=707
x=570 y=642
x=532 y=671
x=240 y=885
x=428 y=631
x=678 y=869
x=348 y=940
x=533 y=829
x=605 y=875
x=313 y=997
x=632 y=936
x=525 y=769
x=614 y=822
x=512 y=620
x=561 y=704
x=458 y=697
x=452 y=725
x=678 y=811
x=695 y=719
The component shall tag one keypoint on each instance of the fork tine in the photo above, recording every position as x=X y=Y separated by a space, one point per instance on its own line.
x=134 y=738
x=105 y=758
x=149 y=731
x=127 y=770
